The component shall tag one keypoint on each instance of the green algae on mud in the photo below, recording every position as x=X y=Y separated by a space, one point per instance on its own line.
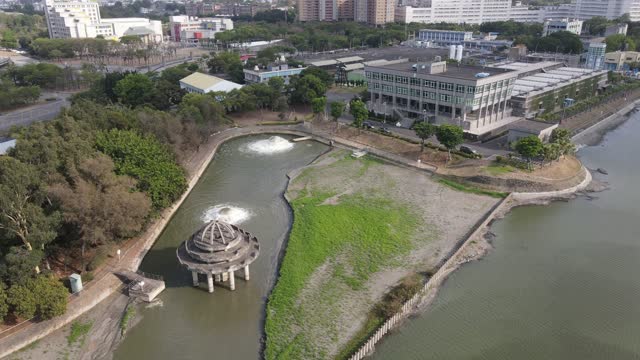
x=347 y=238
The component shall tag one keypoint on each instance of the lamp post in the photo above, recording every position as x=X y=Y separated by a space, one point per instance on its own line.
x=384 y=103
x=424 y=115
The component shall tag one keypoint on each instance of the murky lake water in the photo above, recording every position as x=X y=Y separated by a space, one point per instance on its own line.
x=563 y=281
x=248 y=176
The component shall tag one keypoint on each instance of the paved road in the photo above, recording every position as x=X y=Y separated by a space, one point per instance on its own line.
x=40 y=112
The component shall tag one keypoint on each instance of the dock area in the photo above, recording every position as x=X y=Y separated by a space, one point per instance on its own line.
x=141 y=285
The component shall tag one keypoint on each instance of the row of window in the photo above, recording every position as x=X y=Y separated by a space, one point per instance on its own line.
x=439 y=85
x=432 y=95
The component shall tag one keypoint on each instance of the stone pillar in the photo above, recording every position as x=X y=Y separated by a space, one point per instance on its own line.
x=246 y=272
x=194 y=276
x=210 y=282
x=232 y=280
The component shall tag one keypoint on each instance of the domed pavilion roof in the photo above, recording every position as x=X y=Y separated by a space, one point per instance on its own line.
x=218 y=247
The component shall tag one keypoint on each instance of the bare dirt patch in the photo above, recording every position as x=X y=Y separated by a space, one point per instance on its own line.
x=328 y=309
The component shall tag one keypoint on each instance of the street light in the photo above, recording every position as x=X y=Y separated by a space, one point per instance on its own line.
x=384 y=103
x=424 y=115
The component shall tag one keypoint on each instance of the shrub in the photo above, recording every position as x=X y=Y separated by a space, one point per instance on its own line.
x=22 y=301
x=4 y=306
x=394 y=300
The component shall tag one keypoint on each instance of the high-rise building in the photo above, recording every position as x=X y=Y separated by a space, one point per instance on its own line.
x=81 y=19
x=457 y=11
x=611 y=9
x=375 y=12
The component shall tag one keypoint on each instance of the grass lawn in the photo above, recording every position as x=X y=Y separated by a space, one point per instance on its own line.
x=353 y=236
x=471 y=189
x=498 y=169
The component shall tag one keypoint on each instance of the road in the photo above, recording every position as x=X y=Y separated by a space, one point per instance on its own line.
x=40 y=112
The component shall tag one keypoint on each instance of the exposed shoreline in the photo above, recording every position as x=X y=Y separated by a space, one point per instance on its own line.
x=108 y=284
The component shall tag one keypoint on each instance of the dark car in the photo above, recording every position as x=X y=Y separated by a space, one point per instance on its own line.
x=368 y=125
x=385 y=130
x=468 y=150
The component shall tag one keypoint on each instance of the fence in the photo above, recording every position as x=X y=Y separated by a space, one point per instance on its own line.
x=428 y=289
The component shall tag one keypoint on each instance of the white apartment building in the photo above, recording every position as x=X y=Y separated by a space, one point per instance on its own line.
x=611 y=9
x=456 y=11
x=184 y=28
x=81 y=19
x=551 y=26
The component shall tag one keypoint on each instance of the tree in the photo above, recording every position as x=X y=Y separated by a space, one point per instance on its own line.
x=22 y=219
x=450 y=136
x=4 y=306
x=321 y=74
x=620 y=42
x=551 y=152
x=424 y=130
x=101 y=205
x=318 y=105
x=337 y=109
x=229 y=63
x=562 y=137
x=18 y=264
x=148 y=161
x=529 y=147
x=305 y=89
x=359 y=112
x=51 y=296
x=134 y=89
x=22 y=300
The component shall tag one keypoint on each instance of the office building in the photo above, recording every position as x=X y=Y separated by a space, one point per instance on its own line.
x=551 y=26
x=595 y=56
x=621 y=60
x=192 y=29
x=258 y=75
x=473 y=97
x=81 y=19
x=616 y=29
x=444 y=37
x=544 y=87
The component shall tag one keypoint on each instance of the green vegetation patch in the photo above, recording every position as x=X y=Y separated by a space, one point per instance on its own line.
x=471 y=189
x=499 y=169
x=78 y=332
x=358 y=234
x=129 y=314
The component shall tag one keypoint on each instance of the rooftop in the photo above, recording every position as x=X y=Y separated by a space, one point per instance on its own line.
x=464 y=72
x=200 y=80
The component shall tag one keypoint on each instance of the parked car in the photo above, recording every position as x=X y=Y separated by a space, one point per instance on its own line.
x=385 y=130
x=369 y=125
x=468 y=150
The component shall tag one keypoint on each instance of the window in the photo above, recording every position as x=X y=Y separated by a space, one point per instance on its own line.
x=459 y=100
x=430 y=84
x=479 y=89
x=476 y=102
x=493 y=86
x=471 y=89
x=445 y=97
x=402 y=80
x=446 y=86
x=402 y=90
x=367 y=74
x=499 y=86
x=415 y=82
x=460 y=89
x=376 y=76
x=387 y=88
x=414 y=92
x=376 y=85
x=387 y=77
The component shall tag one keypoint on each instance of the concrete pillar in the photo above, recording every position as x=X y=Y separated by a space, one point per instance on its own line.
x=232 y=280
x=210 y=282
x=219 y=277
x=194 y=276
x=225 y=276
x=246 y=273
